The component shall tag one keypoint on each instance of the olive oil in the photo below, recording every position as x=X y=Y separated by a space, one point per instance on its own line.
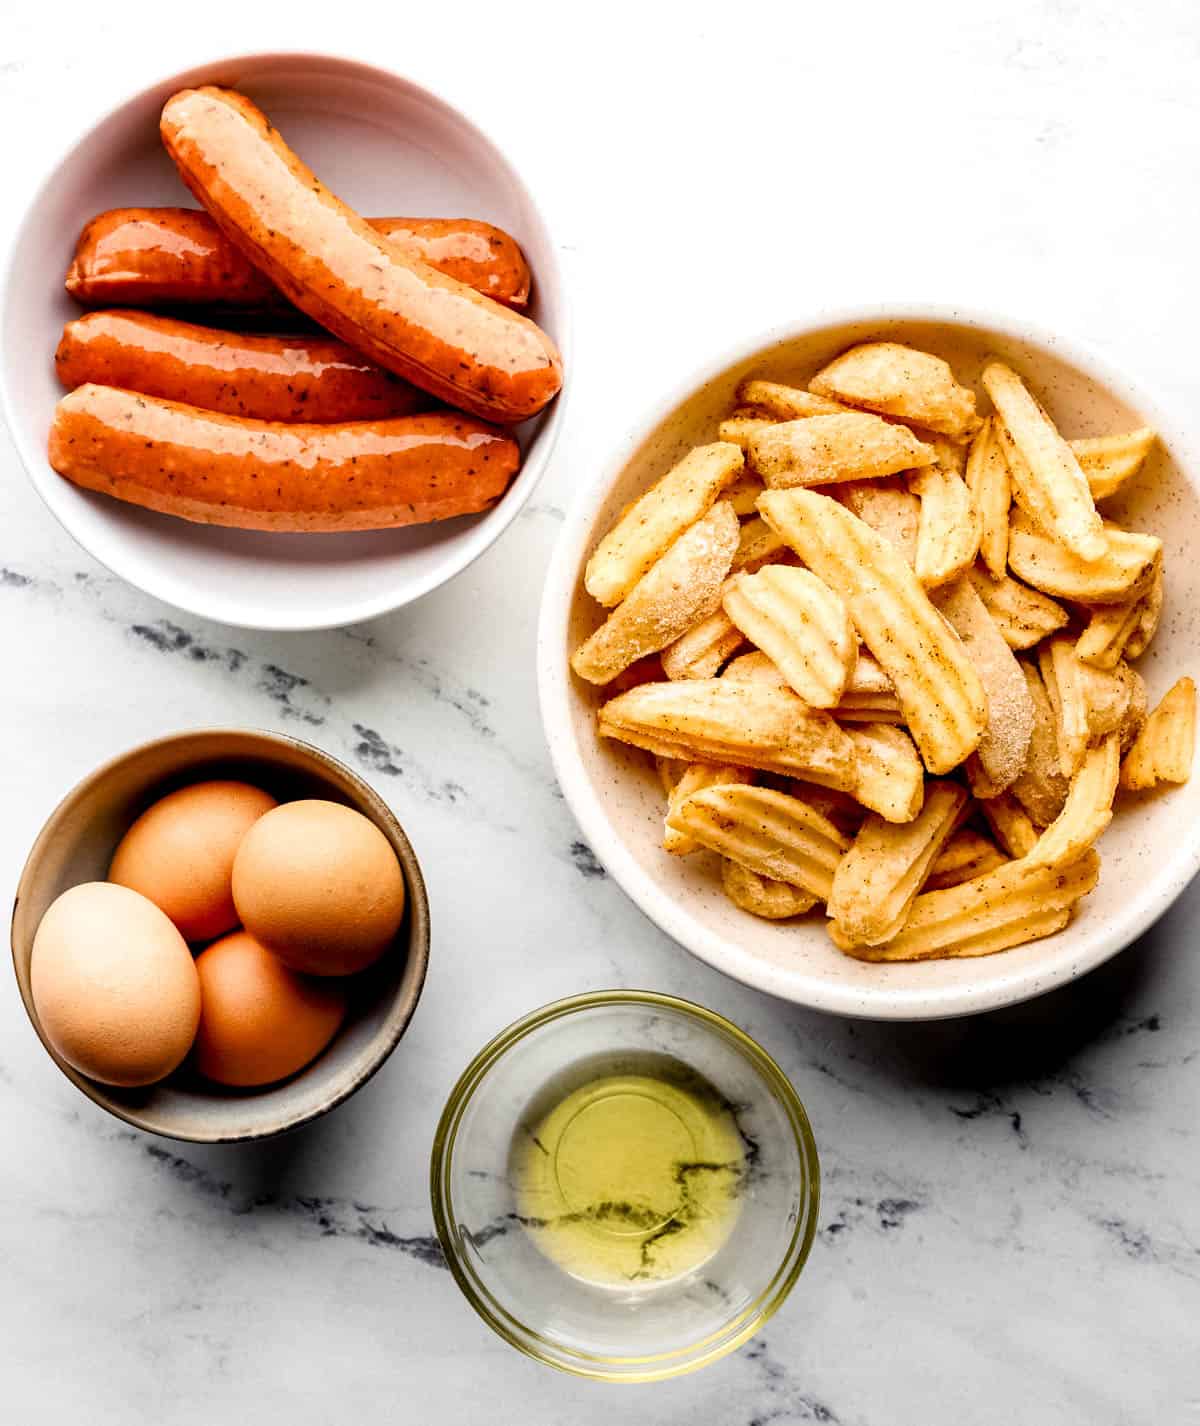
x=630 y=1173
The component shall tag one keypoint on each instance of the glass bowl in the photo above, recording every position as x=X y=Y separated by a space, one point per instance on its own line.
x=632 y=1088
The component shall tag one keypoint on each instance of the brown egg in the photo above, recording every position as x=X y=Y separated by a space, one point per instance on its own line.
x=114 y=985
x=319 y=884
x=180 y=853
x=259 y=1021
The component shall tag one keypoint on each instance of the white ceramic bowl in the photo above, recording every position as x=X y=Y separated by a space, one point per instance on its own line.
x=385 y=145
x=1149 y=853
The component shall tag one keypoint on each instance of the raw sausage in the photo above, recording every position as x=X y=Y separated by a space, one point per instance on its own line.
x=313 y=379
x=140 y=257
x=260 y=475
x=403 y=314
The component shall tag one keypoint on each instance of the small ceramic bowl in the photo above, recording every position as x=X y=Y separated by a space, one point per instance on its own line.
x=625 y=1328
x=76 y=845
x=387 y=146
x=1150 y=852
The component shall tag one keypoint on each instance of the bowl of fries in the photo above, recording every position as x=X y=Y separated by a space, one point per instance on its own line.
x=866 y=665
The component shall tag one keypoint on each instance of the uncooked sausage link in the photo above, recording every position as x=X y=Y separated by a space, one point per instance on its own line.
x=403 y=314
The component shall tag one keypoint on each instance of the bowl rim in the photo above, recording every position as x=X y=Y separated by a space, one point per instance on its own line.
x=417 y=916
x=505 y=511
x=716 y=1345
x=555 y=688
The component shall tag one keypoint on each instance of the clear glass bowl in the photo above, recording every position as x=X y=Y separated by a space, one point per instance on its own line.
x=623 y=1330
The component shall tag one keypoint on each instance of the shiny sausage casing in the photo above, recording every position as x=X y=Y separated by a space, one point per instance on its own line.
x=260 y=475
x=438 y=333
x=313 y=379
x=139 y=257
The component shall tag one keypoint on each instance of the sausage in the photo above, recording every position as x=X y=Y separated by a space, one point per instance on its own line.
x=139 y=257
x=312 y=379
x=429 y=328
x=262 y=475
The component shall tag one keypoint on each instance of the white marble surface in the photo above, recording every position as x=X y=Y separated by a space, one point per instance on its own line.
x=1011 y=1221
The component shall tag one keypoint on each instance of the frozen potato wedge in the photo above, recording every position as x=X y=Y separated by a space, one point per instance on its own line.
x=1005 y=743
x=876 y=881
x=801 y=625
x=1163 y=751
x=681 y=588
x=1123 y=570
x=771 y=900
x=1007 y=907
x=934 y=679
x=900 y=381
x=1024 y=616
x=821 y=450
x=771 y=833
x=704 y=648
x=1010 y=823
x=656 y=519
x=1048 y=474
x=785 y=403
x=1109 y=462
x=1041 y=787
x=966 y=855
x=949 y=529
x=694 y=778
x=1087 y=810
x=990 y=486
x=888 y=774
x=730 y=721
x=888 y=506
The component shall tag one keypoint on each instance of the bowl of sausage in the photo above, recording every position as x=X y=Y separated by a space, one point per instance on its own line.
x=281 y=341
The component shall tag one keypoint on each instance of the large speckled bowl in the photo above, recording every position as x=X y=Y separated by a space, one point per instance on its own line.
x=77 y=843
x=1150 y=852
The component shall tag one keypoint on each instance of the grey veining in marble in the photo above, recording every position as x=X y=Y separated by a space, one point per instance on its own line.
x=1010 y=1227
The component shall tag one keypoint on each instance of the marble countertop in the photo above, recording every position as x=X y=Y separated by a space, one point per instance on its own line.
x=1011 y=1217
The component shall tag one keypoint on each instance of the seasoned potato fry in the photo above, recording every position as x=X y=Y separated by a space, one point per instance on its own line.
x=1123 y=570
x=694 y=778
x=900 y=381
x=772 y=900
x=949 y=529
x=876 y=881
x=778 y=836
x=888 y=776
x=1011 y=825
x=785 y=403
x=758 y=544
x=746 y=724
x=681 y=588
x=824 y=449
x=801 y=625
x=1151 y=605
x=737 y=430
x=934 y=679
x=888 y=506
x=966 y=855
x=655 y=520
x=1110 y=461
x=1005 y=743
x=754 y=667
x=869 y=676
x=743 y=495
x=988 y=481
x=1088 y=702
x=1087 y=810
x=869 y=708
x=1024 y=616
x=1135 y=714
x=1109 y=630
x=1048 y=475
x=1003 y=908
x=704 y=648
x=1164 y=749
x=1042 y=786
x=845 y=812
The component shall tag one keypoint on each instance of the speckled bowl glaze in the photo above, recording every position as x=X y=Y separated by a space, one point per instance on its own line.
x=1150 y=852
x=76 y=845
